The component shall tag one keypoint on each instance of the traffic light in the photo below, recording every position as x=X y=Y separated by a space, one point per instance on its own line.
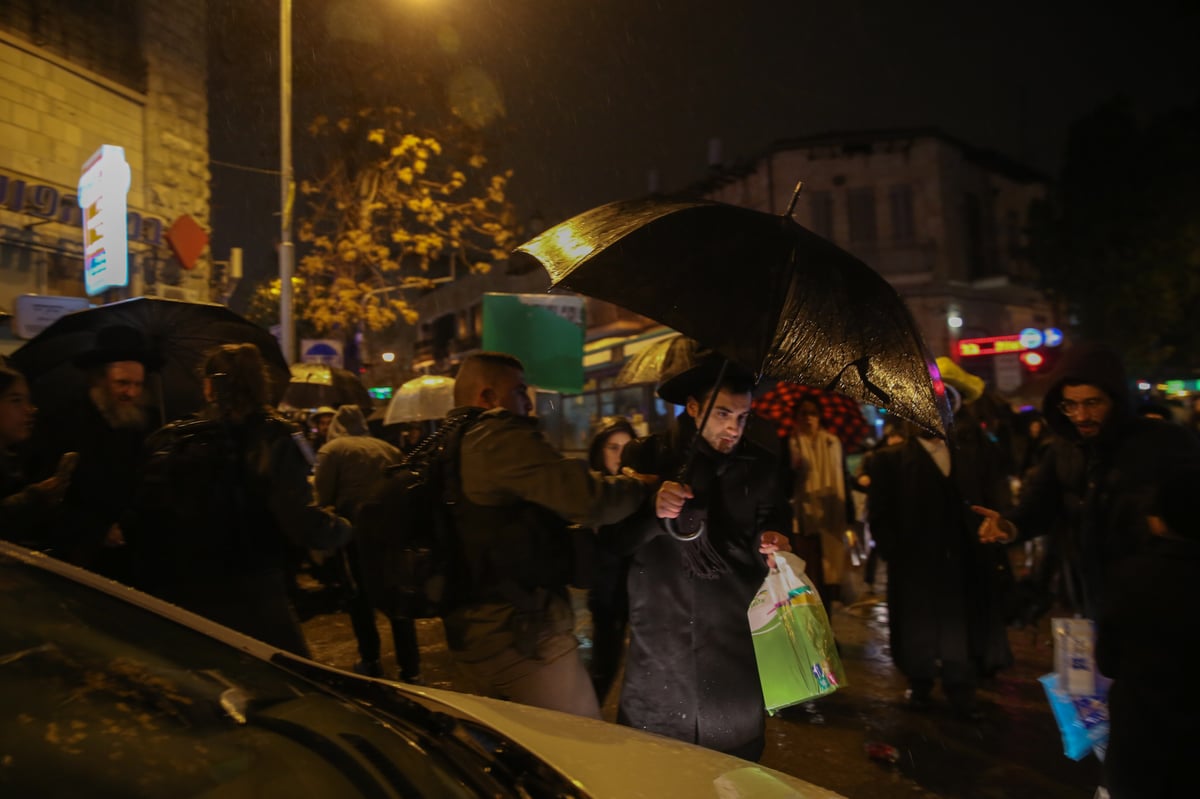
x=1033 y=360
x=1041 y=360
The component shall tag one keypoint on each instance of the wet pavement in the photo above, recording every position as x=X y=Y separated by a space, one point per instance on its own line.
x=1013 y=751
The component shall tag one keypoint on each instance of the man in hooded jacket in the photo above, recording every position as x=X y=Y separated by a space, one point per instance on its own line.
x=690 y=672
x=1096 y=484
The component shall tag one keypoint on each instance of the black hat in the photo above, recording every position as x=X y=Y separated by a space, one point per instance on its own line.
x=701 y=377
x=118 y=343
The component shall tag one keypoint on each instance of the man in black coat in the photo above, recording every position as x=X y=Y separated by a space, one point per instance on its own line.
x=1146 y=640
x=690 y=672
x=107 y=427
x=1097 y=481
x=938 y=578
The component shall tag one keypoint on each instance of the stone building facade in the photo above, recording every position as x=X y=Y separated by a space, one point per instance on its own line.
x=943 y=222
x=75 y=75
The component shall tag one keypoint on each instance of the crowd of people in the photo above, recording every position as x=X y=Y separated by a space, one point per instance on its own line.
x=670 y=533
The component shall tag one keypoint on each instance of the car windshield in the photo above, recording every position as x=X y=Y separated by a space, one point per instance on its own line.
x=104 y=698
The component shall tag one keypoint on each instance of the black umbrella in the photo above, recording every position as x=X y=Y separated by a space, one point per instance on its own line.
x=757 y=288
x=313 y=385
x=179 y=333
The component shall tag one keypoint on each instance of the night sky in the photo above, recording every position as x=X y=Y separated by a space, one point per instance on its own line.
x=598 y=94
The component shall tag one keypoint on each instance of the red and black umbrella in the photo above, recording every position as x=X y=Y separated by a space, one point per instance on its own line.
x=840 y=414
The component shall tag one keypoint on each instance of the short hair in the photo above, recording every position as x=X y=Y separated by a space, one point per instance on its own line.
x=247 y=387
x=480 y=370
x=9 y=377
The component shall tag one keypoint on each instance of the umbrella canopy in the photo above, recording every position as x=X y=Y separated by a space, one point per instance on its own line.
x=316 y=384
x=179 y=335
x=662 y=357
x=421 y=399
x=840 y=414
x=758 y=288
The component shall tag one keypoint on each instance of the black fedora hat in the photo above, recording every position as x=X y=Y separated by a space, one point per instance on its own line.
x=118 y=343
x=700 y=377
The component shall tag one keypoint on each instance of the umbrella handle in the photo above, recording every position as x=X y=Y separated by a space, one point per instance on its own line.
x=681 y=529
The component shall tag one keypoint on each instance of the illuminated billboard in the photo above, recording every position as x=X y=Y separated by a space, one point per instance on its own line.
x=103 y=188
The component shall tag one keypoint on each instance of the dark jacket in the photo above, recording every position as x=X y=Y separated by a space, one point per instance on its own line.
x=102 y=485
x=690 y=672
x=21 y=508
x=350 y=463
x=1146 y=641
x=217 y=507
x=518 y=495
x=1097 y=491
x=942 y=583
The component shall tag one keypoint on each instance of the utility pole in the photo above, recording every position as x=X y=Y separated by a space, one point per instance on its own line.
x=287 y=251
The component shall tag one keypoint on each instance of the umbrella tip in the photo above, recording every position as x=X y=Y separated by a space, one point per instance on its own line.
x=795 y=196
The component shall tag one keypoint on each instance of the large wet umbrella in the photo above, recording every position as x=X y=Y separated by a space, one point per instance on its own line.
x=757 y=288
x=314 y=385
x=180 y=335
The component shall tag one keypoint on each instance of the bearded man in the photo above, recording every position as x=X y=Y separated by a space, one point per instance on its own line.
x=107 y=427
x=690 y=672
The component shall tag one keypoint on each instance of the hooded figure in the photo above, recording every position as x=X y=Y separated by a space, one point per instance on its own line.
x=350 y=462
x=1098 y=479
x=348 y=467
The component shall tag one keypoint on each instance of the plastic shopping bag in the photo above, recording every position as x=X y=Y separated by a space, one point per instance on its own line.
x=1082 y=720
x=793 y=642
x=1074 y=655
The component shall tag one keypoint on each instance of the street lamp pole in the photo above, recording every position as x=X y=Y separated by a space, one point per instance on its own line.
x=287 y=251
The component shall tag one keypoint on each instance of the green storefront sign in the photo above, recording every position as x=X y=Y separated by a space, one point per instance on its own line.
x=545 y=331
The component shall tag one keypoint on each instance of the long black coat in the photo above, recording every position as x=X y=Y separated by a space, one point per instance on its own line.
x=941 y=580
x=1146 y=640
x=102 y=485
x=690 y=672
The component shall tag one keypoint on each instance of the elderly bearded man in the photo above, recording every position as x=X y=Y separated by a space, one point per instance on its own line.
x=107 y=427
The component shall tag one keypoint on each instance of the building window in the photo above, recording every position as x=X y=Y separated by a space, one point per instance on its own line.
x=820 y=213
x=903 y=221
x=861 y=205
x=101 y=35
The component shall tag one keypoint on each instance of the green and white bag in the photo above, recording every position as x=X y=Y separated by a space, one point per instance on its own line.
x=793 y=642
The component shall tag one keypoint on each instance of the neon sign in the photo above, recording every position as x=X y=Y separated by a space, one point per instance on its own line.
x=1028 y=339
x=103 y=187
x=993 y=345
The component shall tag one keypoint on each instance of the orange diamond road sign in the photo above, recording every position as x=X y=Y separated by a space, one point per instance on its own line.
x=187 y=240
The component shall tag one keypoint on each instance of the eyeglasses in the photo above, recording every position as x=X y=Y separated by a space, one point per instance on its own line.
x=1069 y=407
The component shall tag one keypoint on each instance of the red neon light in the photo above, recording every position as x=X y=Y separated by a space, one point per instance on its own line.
x=992 y=345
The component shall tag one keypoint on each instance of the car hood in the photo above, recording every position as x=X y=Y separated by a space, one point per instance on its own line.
x=605 y=759
x=599 y=758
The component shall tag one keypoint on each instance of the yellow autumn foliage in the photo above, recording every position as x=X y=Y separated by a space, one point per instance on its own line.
x=377 y=228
